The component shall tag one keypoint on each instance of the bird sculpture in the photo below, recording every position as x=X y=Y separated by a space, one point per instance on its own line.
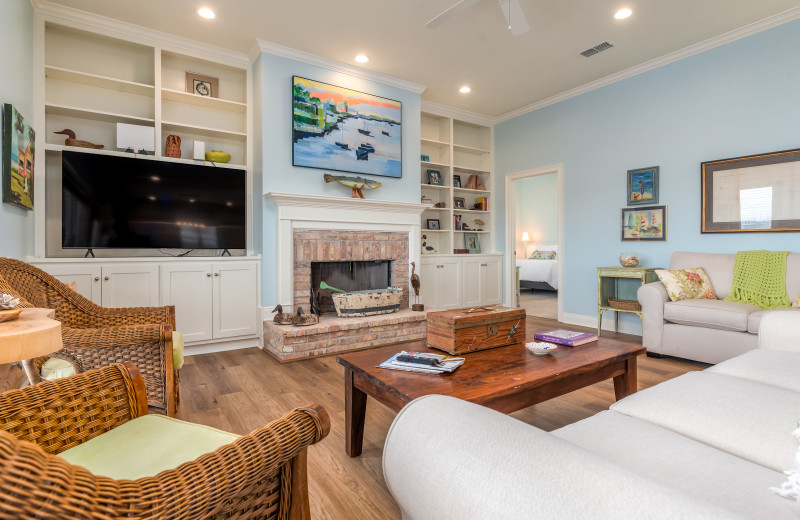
x=71 y=141
x=301 y=319
x=415 y=285
x=480 y=224
x=428 y=249
x=282 y=318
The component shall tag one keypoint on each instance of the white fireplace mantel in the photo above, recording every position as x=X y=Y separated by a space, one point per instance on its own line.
x=337 y=213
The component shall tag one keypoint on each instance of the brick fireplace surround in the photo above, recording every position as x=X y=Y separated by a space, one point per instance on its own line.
x=335 y=229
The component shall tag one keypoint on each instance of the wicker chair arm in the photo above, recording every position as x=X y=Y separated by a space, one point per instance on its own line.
x=60 y=414
x=111 y=316
x=36 y=485
x=111 y=336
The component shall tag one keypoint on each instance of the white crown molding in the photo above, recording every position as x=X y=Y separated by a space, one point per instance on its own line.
x=346 y=203
x=456 y=113
x=111 y=27
x=337 y=66
x=722 y=39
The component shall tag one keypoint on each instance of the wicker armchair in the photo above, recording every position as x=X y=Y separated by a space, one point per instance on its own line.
x=260 y=475
x=96 y=336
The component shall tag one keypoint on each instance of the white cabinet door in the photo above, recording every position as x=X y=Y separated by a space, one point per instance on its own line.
x=235 y=304
x=86 y=278
x=449 y=287
x=428 y=282
x=473 y=282
x=491 y=281
x=130 y=285
x=189 y=288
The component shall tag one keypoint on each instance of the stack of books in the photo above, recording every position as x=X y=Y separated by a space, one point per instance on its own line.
x=570 y=338
x=423 y=362
x=484 y=203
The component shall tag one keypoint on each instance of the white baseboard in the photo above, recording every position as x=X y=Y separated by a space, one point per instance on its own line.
x=222 y=346
x=608 y=323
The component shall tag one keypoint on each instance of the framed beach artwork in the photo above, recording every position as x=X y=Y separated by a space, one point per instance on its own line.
x=644 y=224
x=19 y=148
x=755 y=193
x=336 y=128
x=643 y=186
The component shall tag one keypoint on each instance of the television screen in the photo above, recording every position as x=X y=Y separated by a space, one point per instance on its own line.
x=129 y=202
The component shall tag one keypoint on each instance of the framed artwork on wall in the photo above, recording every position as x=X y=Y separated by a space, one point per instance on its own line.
x=755 y=193
x=19 y=149
x=336 y=128
x=200 y=85
x=643 y=186
x=644 y=224
x=435 y=177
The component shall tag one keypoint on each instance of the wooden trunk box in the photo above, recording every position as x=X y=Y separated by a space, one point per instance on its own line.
x=460 y=331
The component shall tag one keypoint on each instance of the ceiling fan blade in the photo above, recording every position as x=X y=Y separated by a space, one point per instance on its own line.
x=515 y=17
x=450 y=12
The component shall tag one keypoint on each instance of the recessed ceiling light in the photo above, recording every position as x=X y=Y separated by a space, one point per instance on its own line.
x=361 y=58
x=464 y=89
x=623 y=13
x=205 y=12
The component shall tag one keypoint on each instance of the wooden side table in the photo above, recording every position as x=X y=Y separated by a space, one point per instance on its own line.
x=608 y=286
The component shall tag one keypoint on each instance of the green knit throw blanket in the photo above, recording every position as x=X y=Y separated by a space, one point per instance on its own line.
x=759 y=278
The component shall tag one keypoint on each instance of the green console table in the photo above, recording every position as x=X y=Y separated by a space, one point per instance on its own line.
x=620 y=283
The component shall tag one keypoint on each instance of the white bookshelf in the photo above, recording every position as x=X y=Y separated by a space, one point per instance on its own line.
x=455 y=148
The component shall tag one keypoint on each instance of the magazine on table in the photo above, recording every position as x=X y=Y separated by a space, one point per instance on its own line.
x=444 y=364
x=570 y=338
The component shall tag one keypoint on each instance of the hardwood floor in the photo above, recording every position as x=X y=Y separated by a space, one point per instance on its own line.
x=240 y=390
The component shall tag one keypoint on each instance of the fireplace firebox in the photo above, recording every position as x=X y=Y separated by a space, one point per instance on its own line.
x=348 y=276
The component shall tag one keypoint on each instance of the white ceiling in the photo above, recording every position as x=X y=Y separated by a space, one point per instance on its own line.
x=475 y=48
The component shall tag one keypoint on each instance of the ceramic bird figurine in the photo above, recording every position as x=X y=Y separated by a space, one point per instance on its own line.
x=282 y=318
x=428 y=249
x=71 y=141
x=414 y=280
x=302 y=319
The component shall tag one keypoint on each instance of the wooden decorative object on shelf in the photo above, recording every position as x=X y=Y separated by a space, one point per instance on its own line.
x=173 y=148
x=72 y=141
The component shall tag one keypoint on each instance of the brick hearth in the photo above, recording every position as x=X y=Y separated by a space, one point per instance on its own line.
x=333 y=334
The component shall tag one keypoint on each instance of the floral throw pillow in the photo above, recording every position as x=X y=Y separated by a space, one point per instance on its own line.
x=687 y=284
x=543 y=255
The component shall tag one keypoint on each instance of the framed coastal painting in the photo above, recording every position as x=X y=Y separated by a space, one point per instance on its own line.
x=336 y=128
x=643 y=186
x=756 y=193
x=19 y=147
x=644 y=223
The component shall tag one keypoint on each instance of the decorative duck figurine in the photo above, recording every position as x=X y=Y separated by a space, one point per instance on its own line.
x=71 y=141
x=282 y=318
x=302 y=319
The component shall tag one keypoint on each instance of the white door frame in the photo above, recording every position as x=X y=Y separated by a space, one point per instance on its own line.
x=511 y=239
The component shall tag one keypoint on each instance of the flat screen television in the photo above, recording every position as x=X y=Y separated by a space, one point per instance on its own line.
x=129 y=202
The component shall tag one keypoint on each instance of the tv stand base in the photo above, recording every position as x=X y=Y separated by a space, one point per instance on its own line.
x=225 y=252
x=89 y=253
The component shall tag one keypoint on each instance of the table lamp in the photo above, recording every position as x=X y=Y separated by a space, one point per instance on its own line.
x=35 y=333
x=525 y=240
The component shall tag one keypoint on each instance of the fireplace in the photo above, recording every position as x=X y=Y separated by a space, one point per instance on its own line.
x=348 y=276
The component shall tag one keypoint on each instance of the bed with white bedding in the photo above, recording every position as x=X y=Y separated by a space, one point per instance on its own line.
x=539 y=274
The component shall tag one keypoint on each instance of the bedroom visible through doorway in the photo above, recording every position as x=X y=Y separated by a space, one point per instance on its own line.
x=536 y=242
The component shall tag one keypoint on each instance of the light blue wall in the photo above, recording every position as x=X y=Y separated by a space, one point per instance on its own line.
x=274 y=73
x=537 y=211
x=738 y=99
x=16 y=86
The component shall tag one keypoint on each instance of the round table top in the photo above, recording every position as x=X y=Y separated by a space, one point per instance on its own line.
x=35 y=333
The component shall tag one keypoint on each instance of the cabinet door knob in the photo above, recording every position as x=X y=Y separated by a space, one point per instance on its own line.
x=208 y=274
x=216 y=274
x=484 y=265
x=96 y=278
x=105 y=278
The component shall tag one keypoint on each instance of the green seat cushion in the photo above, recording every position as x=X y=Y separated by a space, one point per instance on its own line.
x=177 y=350
x=55 y=368
x=146 y=446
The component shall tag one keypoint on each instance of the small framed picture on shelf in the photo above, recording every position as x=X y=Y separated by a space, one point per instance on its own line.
x=456 y=181
x=472 y=243
x=435 y=177
x=425 y=158
x=433 y=223
x=458 y=202
x=200 y=85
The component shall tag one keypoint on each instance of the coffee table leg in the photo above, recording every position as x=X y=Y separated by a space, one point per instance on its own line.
x=354 y=415
x=626 y=384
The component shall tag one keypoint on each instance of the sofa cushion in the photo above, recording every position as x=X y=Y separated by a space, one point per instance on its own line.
x=681 y=463
x=745 y=418
x=686 y=284
x=713 y=314
x=771 y=367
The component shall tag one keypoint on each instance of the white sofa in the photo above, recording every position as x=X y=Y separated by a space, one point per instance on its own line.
x=704 y=330
x=707 y=444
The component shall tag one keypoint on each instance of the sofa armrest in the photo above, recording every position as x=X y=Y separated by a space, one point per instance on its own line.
x=447 y=458
x=780 y=330
x=652 y=297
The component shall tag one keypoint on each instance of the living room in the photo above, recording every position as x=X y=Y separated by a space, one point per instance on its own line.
x=717 y=87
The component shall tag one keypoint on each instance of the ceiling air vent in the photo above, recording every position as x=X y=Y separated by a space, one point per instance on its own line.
x=597 y=49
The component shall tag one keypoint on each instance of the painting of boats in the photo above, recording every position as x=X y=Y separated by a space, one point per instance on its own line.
x=645 y=223
x=336 y=128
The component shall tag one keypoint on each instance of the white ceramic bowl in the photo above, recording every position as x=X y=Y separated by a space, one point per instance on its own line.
x=541 y=349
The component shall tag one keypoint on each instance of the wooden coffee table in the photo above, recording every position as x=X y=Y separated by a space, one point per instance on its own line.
x=505 y=379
